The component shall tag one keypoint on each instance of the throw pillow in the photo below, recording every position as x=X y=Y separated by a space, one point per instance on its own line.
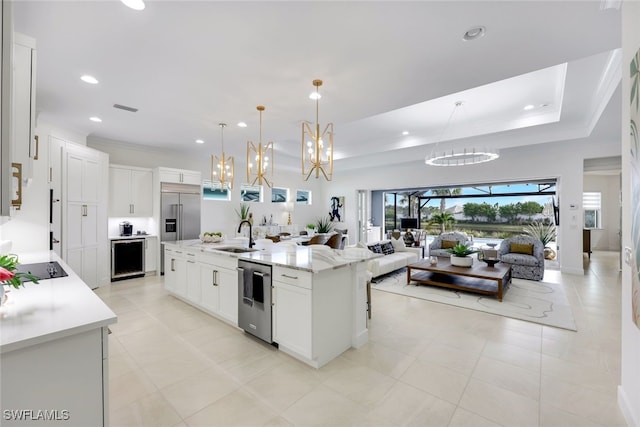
x=387 y=248
x=376 y=249
x=398 y=245
x=521 y=248
x=409 y=239
x=448 y=244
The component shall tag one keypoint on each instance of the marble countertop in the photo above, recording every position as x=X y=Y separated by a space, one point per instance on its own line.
x=314 y=258
x=51 y=309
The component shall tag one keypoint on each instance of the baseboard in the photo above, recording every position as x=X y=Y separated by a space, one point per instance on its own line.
x=360 y=339
x=578 y=271
x=625 y=408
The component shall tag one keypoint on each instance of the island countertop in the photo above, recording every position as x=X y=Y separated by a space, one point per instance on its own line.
x=51 y=309
x=314 y=258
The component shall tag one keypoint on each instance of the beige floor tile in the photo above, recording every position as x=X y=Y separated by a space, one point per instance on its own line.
x=150 y=411
x=283 y=385
x=197 y=391
x=601 y=408
x=362 y=385
x=171 y=369
x=450 y=357
x=238 y=408
x=505 y=375
x=514 y=355
x=406 y=405
x=576 y=373
x=411 y=373
x=437 y=380
x=324 y=407
x=381 y=358
x=126 y=389
x=499 y=405
x=464 y=418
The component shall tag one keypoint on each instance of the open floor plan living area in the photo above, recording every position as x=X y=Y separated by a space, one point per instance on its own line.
x=319 y=213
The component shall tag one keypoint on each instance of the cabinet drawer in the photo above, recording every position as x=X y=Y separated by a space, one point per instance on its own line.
x=293 y=277
x=220 y=261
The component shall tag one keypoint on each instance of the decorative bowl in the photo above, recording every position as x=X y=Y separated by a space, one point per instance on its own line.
x=491 y=261
x=211 y=239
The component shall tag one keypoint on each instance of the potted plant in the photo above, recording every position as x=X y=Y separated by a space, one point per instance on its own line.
x=323 y=225
x=546 y=233
x=311 y=229
x=460 y=255
x=244 y=213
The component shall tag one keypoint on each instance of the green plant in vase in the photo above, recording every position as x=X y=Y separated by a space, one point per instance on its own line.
x=546 y=233
x=243 y=213
x=460 y=255
x=324 y=224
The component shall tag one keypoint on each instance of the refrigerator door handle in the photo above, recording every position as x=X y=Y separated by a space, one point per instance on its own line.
x=180 y=212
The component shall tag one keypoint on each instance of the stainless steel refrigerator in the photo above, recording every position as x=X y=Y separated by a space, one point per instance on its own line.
x=179 y=214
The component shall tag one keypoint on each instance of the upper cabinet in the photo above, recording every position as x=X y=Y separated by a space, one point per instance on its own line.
x=24 y=147
x=6 y=72
x=130 y=191
x=179 y=176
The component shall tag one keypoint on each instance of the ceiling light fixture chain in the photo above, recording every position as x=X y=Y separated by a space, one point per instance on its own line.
x=317 y=147
x=459 y=157
x=262 y=171
x=222 y=167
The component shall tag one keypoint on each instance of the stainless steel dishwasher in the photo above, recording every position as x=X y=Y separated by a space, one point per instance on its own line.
x=254 y=299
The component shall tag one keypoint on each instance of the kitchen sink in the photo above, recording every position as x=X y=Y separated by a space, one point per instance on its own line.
x=235 y=249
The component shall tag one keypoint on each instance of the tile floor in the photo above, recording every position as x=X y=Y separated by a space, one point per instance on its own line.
x=426 y=364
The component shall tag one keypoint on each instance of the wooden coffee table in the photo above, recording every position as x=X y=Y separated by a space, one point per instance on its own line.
x=479 y=278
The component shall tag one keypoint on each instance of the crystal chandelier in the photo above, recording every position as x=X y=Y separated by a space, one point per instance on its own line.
x=222 y=167
x=317 y=148
x=460 y=156
x=262 y=169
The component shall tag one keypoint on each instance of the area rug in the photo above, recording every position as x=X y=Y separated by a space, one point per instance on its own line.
x=538 y=302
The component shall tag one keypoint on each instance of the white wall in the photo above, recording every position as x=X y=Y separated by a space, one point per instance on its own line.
x=561 y=160
x=221 y=215
x=28 y=228
x=607 y=238
x=629 y=390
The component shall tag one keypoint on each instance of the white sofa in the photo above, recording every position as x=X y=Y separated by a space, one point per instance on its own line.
x=398 y=256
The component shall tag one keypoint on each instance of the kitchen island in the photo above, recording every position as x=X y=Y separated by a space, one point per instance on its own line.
x=54 y=352
x=318 y=294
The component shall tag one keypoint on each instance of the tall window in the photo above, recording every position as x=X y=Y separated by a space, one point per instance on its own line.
x=592 y=206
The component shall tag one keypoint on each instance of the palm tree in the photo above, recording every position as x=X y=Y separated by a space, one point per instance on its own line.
x=444 y=219
x=445 y=192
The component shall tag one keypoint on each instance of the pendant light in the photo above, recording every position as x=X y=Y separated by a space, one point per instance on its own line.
x=222 y=167
x=317 y=148
x=260 y=160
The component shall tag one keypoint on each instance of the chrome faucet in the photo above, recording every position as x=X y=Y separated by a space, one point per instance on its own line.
x=251 y=242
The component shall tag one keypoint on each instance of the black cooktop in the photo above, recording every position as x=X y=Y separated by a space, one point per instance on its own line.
x=42 y=270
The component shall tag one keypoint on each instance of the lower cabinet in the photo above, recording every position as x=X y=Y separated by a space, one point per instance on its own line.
x=150 y=254
x=292 y=317
x=208 y=281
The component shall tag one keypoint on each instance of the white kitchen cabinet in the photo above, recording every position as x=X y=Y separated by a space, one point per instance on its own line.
x=292 y=318
x=81 y=215
x=175 y=270
x=130 y=191
x=150 y=254
x=219 y=286
x=24 y=147
x=179 y=176
x=312 y=313
x=6 y=133
x=193 y=280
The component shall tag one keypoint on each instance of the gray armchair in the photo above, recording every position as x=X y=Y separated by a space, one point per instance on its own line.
x=525 y=254
x=436 y=247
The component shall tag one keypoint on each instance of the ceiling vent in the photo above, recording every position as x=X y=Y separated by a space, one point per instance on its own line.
x=125 y=108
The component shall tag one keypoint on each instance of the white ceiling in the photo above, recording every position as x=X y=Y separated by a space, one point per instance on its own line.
x=387 y=67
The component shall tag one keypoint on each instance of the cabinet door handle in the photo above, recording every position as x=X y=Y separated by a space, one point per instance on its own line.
x=37 y=147
x=173 y=267
x=290 y=277
x=131 y=208
x=84 y=210
x=215 y=277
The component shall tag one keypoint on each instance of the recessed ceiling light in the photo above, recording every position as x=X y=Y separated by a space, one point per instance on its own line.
x=474 y=33
x=199 y=141
x=529 y=107
x=405 y=133
x=95 y=119
x=134 y=4
x=89 y=79
x=242 y=125
x=315 y=95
